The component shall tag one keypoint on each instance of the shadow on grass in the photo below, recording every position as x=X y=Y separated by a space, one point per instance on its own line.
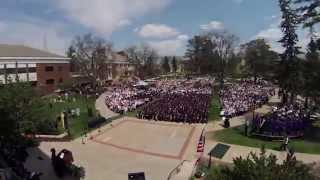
x=308 y=144
x=39 y=161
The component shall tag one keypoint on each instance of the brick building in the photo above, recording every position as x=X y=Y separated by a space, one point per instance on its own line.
x=43 y=69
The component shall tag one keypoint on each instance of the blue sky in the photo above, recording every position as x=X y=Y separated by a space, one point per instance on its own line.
x=166 y=25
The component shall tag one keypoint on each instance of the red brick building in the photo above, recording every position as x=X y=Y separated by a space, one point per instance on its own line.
x=44 y=70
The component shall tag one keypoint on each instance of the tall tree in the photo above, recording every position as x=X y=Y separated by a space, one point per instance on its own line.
x=289 y=75
x=310 y=13
x=165 y=64
x=19 y=107
x=200 y=55
x=259 y=58
x=311 y=73
x=91 y=54
x=174 y=64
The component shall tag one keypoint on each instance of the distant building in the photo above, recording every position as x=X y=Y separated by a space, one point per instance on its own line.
x=119 y=66
x=43 y=69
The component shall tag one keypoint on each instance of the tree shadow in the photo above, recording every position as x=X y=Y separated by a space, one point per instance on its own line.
x=39 y=161
x=312 y=134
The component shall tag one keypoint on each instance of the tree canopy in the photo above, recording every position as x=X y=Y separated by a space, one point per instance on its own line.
x=263 y=167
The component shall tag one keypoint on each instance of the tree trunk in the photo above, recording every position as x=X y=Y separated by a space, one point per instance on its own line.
x=292 y=98
x=306 y=102
x=284 y=97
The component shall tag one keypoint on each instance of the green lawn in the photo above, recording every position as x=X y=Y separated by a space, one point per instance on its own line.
x=308 y=144
x=78 y=124
x=214 y=109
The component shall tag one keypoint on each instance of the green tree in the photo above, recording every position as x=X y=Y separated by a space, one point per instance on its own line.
x=262 y=167
x=20 y=109
x=259 y=58
x=311 y=73
x=289 y=72
x=174 y=64
x=165 y=64
x=198 y=55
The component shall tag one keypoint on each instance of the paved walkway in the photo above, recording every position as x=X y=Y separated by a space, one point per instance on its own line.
x=103 y=109
x=111 y=162
x=244 y=151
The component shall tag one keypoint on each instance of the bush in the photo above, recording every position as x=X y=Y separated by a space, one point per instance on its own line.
x=262 y=167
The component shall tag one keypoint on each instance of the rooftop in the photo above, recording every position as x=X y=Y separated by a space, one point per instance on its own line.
x=12 y=51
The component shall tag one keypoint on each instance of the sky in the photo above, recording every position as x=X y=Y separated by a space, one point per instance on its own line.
x=166 y=25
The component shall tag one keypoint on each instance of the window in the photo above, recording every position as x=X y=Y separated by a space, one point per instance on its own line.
x=60 y=68
x=49 y=68
x=50 y=81
x=32 y=70
x=60 y=80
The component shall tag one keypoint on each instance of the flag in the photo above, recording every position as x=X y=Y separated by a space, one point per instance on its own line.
x=201 y=143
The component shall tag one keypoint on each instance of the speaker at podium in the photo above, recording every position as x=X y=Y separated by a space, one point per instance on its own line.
x=136 y=176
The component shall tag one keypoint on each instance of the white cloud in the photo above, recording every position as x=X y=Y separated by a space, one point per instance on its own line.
x=170 y=47
x=160 y=31
x=213 y=25
x=33 y=33
x=106 y=16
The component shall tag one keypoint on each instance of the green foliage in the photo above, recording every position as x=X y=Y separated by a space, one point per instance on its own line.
x=260 y=59
x=262 y=167
x=311 y=73
x=20 y=105
x=289 y=74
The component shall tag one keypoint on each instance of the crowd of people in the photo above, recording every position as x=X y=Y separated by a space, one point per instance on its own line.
x=288 y=120
x=239 y=98
x=165 y=100
x=122 y=100
x=187 y=107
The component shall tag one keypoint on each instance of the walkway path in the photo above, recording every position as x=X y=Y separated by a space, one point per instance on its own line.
x=103 y=109
x=244 y=151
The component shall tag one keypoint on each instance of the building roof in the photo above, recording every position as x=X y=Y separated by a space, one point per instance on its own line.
x=13 y=51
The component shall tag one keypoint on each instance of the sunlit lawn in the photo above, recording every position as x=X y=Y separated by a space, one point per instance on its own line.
x=310 y=143
x=77 y=124
x=214 y=109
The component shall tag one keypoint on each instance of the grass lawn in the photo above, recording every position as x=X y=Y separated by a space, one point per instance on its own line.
x=78 y=124
x=308 y=144
x=214 y=109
